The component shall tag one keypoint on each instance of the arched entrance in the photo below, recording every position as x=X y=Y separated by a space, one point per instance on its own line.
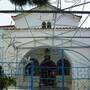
x=47 y=71
x=49 y=74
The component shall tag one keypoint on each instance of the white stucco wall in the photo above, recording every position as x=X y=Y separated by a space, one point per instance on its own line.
x=23 y=40
x=34 y=20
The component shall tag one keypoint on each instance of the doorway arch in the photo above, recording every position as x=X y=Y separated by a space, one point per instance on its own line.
x=49 y=79
x=47 y=72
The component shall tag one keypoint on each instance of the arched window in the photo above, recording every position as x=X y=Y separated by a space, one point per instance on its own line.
x=43 y=25
x=28 y=67
x=67 y=67
x=1 y=71
x=49 y=25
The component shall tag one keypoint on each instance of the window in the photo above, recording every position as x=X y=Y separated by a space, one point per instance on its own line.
x=67 y=67
x=1 y=71
x=43 y=25
x=49 y=25
x=28 y=70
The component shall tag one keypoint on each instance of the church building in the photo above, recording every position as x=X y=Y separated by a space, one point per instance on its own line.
x=46 y=51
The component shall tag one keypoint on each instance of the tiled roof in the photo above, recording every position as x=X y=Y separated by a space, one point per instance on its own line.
x=7 y=27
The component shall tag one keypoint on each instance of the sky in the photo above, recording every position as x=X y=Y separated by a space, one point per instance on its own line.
x=5 y=19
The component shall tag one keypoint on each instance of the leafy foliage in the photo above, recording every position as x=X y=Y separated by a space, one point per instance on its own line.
x=31 y=2
x=5 y=82
x=39 y=2
x=19 y=2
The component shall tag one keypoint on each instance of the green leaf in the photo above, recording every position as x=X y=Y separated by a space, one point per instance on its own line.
x=6 y=81
x=31 y=2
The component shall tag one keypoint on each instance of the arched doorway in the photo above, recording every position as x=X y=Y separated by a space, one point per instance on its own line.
x=47 y=72
x=49 y=75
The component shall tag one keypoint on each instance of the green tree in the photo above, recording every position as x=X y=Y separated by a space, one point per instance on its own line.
x=31 y=2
